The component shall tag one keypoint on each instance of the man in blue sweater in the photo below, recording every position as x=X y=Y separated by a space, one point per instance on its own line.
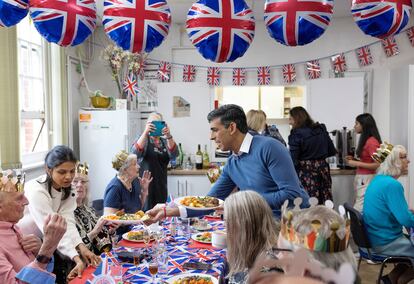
x=258 y=163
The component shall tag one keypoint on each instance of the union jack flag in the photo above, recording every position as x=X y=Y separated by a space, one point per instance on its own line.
x=339 y=63
x=64 y=22
x=381 y=18
x=263 y=75
x=12 y=12
x=297 y=22
x=410 y=34
x=289 y=73
x=390 y=46
x=313 y=69
x=213 y=76
x=137 y=25
x=364 y=56
x=239 y=76
x=189 y=73
x=221 y=30
x=130 y=85
x=164 y=72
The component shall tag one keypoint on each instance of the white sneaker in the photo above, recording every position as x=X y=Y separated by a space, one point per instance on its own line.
x=372 y=262
x=356 y=254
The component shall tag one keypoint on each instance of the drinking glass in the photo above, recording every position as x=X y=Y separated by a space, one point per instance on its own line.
x=153 y=267
x=146 y=237
x=136 y=253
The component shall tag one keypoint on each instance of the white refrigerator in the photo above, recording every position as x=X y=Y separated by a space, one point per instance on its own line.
x=102 y=133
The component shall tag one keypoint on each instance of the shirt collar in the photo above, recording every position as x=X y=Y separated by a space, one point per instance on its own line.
x=245 y=146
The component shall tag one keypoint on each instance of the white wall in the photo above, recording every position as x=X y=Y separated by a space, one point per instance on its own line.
x=343 y=35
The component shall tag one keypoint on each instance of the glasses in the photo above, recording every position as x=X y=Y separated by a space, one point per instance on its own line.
x=82 y=182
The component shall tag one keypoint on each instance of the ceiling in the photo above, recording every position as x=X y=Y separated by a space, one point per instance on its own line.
x=179 y=8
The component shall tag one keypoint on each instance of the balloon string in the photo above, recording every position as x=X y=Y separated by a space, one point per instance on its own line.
x=83 y=71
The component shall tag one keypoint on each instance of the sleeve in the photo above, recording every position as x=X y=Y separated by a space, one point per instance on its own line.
x=394 y=196
x=172 y=152
x=371 y=146
x=294 y=147
x=135 y=149
x=81 y=229
x=283 y=173
x=112 y=198
x=40 y=205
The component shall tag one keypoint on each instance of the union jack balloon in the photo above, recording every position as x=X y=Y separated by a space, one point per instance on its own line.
x=381 y=18
x=221 y=30
x=12 y=12
x=137 y=25
x=297 y=22
x=64 y=22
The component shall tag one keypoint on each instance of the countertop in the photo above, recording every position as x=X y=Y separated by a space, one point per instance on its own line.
x=179 y=172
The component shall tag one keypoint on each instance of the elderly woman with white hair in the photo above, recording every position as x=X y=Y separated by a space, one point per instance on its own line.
x=154 y=150
x=126 y=191
x=385 y=210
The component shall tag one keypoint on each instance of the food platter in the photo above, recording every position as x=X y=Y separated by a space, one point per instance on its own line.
x=199 y=202
x=135 y=236
x=123 y=218
x=181 y=278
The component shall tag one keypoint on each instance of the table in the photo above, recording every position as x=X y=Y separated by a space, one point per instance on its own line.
x=178 y=253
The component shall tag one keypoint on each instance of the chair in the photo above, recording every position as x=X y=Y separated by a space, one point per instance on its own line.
x=361 y=239
x=98 y=206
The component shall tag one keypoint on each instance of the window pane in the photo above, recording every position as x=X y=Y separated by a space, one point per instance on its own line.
x=36 y=61
x=246 y=97
x=27 y=32
x=29 y=130
x=24 y=63
x=31 y=94
x=272 y=101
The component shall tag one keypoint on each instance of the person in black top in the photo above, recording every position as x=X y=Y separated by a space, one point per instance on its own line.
x=154 y=154
x=310 y=145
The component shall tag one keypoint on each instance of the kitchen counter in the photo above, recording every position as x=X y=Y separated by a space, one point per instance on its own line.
x=194 y=172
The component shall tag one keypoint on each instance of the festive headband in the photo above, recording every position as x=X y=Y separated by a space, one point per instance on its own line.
x=382 y=152
x=82 y=169
x=335 y=239
x=119 y=160
x=12 y=181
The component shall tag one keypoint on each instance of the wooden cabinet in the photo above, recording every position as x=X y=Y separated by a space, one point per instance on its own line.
x=182 y=185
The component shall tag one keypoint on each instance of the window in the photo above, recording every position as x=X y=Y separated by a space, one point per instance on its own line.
x=33 y=95
x=275 y=101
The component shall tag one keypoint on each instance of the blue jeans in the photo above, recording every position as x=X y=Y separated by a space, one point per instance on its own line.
x=399 y=247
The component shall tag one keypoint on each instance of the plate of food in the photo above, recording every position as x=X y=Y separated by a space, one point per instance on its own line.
x=135 y=236
x=195 y=278
x=201 y=226
x=123 y=218
x=199 y=202
x=204 y=238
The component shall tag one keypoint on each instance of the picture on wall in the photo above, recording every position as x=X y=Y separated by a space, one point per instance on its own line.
x=181 y=108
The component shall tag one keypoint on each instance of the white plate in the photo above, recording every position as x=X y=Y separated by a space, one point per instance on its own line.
x=178 y=202
x=123 y=222
x=176 y=277
x=125 y=237
x=194 y=237
x=208 y=227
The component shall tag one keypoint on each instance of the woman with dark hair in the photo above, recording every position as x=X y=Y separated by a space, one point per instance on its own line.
x=369 y=141
x=309 y=146
x=52 y=193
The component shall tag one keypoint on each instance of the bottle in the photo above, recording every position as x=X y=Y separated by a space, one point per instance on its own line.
x=180 y=157
x=206 y=159
x=199 y=158
x=173 y=227
x=102 y=242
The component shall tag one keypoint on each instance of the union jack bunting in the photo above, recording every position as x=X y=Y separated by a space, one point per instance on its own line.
x=137 y=25
x=289 y=73
x=339 y=63
x=130 y=85
x=410 y=34
x=263 y=75
x=239 y=76
x=65 y=22
x=297 y=22
x=313 y=69
x=12 y=12
x=390 y=46
x=164 y=72
x=380 y=18
x=364 y=56
x=189 y=73
x=213 y=76
x=221 y=30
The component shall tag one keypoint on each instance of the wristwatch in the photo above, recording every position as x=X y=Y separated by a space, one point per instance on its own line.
x=42 y=259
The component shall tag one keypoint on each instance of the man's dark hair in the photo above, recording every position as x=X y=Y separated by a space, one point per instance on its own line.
x=229 y=114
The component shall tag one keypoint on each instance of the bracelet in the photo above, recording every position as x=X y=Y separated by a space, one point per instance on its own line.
x=165 y=212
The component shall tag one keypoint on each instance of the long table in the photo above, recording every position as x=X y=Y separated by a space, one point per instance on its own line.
x=179 y=252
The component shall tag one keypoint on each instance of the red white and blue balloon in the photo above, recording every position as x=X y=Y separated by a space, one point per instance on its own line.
x=12 y=12
x=381 y=18
x=297 y=22
x=64 y=22
x=137 y=25
x=222 y=30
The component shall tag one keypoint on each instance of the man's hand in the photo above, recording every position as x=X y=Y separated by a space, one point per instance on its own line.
x=54 y=229
x=31 y=244
x=89 y=257
x=157 y=213
x=77 y=270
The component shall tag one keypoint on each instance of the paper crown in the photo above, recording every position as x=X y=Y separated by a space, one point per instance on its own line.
x=332 y=239
x=119 y=160
x=82 y=169
x=382 y=152
x=12 y=181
